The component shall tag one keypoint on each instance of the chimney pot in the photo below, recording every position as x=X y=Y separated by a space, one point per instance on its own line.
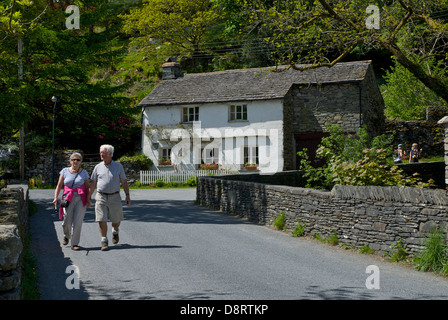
x=171 y=70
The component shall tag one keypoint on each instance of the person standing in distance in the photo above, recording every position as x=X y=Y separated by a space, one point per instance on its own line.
x=107 y=177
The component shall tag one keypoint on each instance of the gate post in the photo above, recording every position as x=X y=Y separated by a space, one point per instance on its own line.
x=444 y=123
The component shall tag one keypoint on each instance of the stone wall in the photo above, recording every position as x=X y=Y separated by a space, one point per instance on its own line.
x=348 y=104
x=43 y=167
x=427 y=170
x=427 y=134
x=13 y=231
x=373 y=216
x=294 y=178
x=315 y=105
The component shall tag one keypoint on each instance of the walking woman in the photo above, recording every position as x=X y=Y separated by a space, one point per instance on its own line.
x=75 y=182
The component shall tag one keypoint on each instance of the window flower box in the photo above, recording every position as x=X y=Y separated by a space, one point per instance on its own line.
x=210 y=166
x=164 y=162
x=251 y=166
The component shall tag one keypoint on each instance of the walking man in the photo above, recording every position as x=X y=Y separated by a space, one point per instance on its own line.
x=107 y=177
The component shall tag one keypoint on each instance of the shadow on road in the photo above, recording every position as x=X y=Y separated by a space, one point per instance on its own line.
x=171 y=211
x=51 y=263
x=127 y=247
x=342 y=293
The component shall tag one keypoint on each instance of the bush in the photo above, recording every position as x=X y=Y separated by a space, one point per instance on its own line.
x=299 y=231
x=280 y=221
x=192 y=181
x=142 y=160
x=159 y=183
x=398 y=252
x=355 y=161
x=333 y=239
x=365 y=249
x=434 y=256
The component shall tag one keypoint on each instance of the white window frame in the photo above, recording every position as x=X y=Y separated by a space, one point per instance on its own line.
x=211 y=155
x=238 y=112
x=251 y=154
x=165 y=153
x=190 y=114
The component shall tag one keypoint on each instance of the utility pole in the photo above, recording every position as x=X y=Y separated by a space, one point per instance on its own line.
x=22 y=128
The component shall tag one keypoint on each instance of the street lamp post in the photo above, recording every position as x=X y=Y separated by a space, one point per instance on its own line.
x=54 y=99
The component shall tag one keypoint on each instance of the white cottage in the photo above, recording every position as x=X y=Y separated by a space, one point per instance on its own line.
x=254 y=116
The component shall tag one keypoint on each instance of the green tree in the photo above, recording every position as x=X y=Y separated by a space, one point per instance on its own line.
x=91 y=108
x=322 y=32
x=17 y=19
x=354 y=160
x=405 y=96
x=181 y=25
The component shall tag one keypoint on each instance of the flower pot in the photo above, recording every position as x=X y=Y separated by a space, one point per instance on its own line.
x=210 y=167
x=251 y=167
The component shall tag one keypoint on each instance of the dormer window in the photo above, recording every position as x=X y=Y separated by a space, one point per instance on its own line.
x=238 y=112
x=190 y=114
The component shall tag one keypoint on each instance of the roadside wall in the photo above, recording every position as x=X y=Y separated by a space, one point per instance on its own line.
x=373 y=216
x=42 y=167
x=13 y=231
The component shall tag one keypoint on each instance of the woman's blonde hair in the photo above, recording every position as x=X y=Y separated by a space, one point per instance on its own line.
x=75 y=154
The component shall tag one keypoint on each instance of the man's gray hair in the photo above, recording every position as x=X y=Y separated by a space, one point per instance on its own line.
x=109 y=148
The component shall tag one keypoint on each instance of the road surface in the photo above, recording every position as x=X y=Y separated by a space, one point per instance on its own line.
x=172 y=249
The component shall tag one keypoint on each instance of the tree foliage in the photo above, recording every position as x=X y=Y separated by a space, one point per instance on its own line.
x=405 y=96
x=182 y=24
x=355 y=160
x=64 y=62
x=100 y=71
x=324 y=32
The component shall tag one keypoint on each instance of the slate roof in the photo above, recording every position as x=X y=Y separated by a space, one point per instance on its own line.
x=247 y=84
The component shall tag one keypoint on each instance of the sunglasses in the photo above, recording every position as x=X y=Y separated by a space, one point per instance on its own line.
x=75 y=159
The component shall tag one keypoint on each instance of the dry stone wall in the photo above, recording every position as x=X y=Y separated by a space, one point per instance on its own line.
x=373 y=216
x=43 y=167
x=13 y=230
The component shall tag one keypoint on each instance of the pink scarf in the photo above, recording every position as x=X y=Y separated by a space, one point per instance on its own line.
x=82 y=191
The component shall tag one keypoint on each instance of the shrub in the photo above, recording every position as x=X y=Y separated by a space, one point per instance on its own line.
x=356 y=161
x=142 y=160
x=192 y=181
x=434 y=256
x=299 y=231
x=159 y=183
x=398 y=252
x=280 y=221
x=333 y=239
x=365 y=249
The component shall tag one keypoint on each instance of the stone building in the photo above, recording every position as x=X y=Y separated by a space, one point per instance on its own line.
x=258 y=115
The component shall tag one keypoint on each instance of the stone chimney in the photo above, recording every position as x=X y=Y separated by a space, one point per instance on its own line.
x=171 y=69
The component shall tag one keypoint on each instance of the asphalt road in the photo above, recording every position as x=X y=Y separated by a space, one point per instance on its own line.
x=172 y=249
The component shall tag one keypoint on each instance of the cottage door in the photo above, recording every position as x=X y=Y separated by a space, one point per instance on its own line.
x=309 y=141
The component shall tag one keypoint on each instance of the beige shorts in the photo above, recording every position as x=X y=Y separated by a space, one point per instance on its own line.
x=108 y=206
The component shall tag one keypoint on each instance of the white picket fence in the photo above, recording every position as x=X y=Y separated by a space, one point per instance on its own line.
x=151 y=176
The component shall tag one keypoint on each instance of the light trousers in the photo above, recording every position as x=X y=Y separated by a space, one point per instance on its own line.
x=73 y=219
